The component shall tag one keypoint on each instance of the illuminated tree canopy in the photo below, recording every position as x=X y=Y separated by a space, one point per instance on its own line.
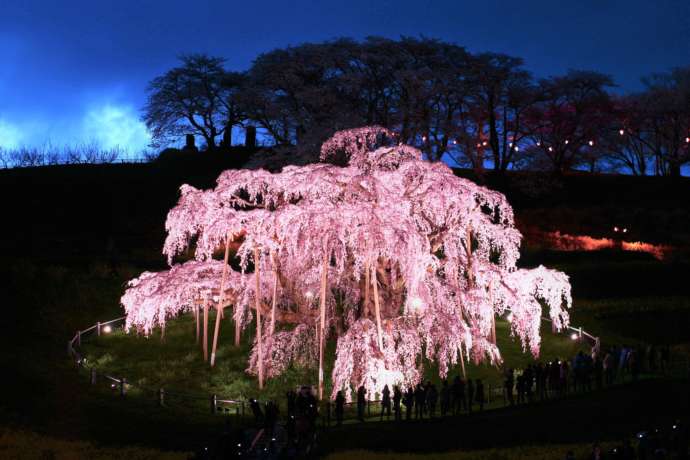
x=392 y=256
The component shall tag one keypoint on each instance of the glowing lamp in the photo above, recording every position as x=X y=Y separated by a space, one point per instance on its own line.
x=517 y=148
x=510 y=144
x=615 y=229
x=550 y=149
x=687 y=140
x=625 y=230
x=107 y=329
x=423 y=138
x=574 y=336
x=591 y=143
x=509 y=317
x=309 y=294
x=455 y=142
x=416 y=304
x=538 y=144
x=567 y=142
x=484 y=143
x=621 y=132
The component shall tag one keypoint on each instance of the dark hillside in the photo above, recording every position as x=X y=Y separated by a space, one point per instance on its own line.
x=117 y=211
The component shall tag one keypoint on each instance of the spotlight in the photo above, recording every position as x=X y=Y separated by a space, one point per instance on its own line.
x=591 y=143
x=107 y=329
x=574 y=336
x=615 y=229
x=621 y=132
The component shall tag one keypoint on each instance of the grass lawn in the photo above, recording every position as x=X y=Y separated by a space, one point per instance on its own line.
x=177 y=365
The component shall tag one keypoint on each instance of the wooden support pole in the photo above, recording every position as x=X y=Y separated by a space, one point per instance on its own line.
x=377 y=307
x=462 y=363
x=367 y=274
x=322 y=329
x=196 y=318
x=205 y=344
x=221 y=300
x=163 y=332
x=275 y=294
x=257 y=298
x=98 y=329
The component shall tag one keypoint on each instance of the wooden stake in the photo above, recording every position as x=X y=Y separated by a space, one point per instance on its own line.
x=206 y=329
x=221 y=300
x=322 y=329
x=196 y=317
x=366 y=289
x=377 y=308
x=257 y=297
x=275 y=294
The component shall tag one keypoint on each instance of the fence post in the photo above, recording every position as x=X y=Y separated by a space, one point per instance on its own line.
x=93 y=376
x=161 y=397
x=79 y=338
x=214 y=403
x=98 y=328
x=123 y=382
x=69 y=348
x=581 y=336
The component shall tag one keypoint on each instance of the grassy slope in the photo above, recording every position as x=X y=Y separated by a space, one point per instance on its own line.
x=176 y=364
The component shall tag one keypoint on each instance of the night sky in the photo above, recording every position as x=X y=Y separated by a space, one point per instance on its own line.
x=76 y=71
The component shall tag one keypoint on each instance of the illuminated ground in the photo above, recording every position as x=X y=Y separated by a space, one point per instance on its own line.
x=176 y=364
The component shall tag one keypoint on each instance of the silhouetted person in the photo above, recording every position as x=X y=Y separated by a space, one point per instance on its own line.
x=479 y=391
x=271 y=418
x=419 y=401
x=431 y=399
x=508 y=385
x=409 y=402
x=385 y=401
x=256 y=410
x=397 y=398
x=445 y=398
x=458 y=394
x=470 y=395
x=339 y=407
x=361 y=402
x=598 y=373
x=291 y=402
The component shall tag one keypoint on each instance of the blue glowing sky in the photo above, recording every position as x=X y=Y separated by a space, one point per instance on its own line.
x=75 y=71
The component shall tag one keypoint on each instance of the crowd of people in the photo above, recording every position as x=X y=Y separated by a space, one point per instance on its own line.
x=582 y=373
x=536 y=382
x=421 y=400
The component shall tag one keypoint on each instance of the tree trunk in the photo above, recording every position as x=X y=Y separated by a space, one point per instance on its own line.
x=324 y=280
x=377 y=308
x=257 y=298
x=221 y=300
x=462 y=363
x=227 y=136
